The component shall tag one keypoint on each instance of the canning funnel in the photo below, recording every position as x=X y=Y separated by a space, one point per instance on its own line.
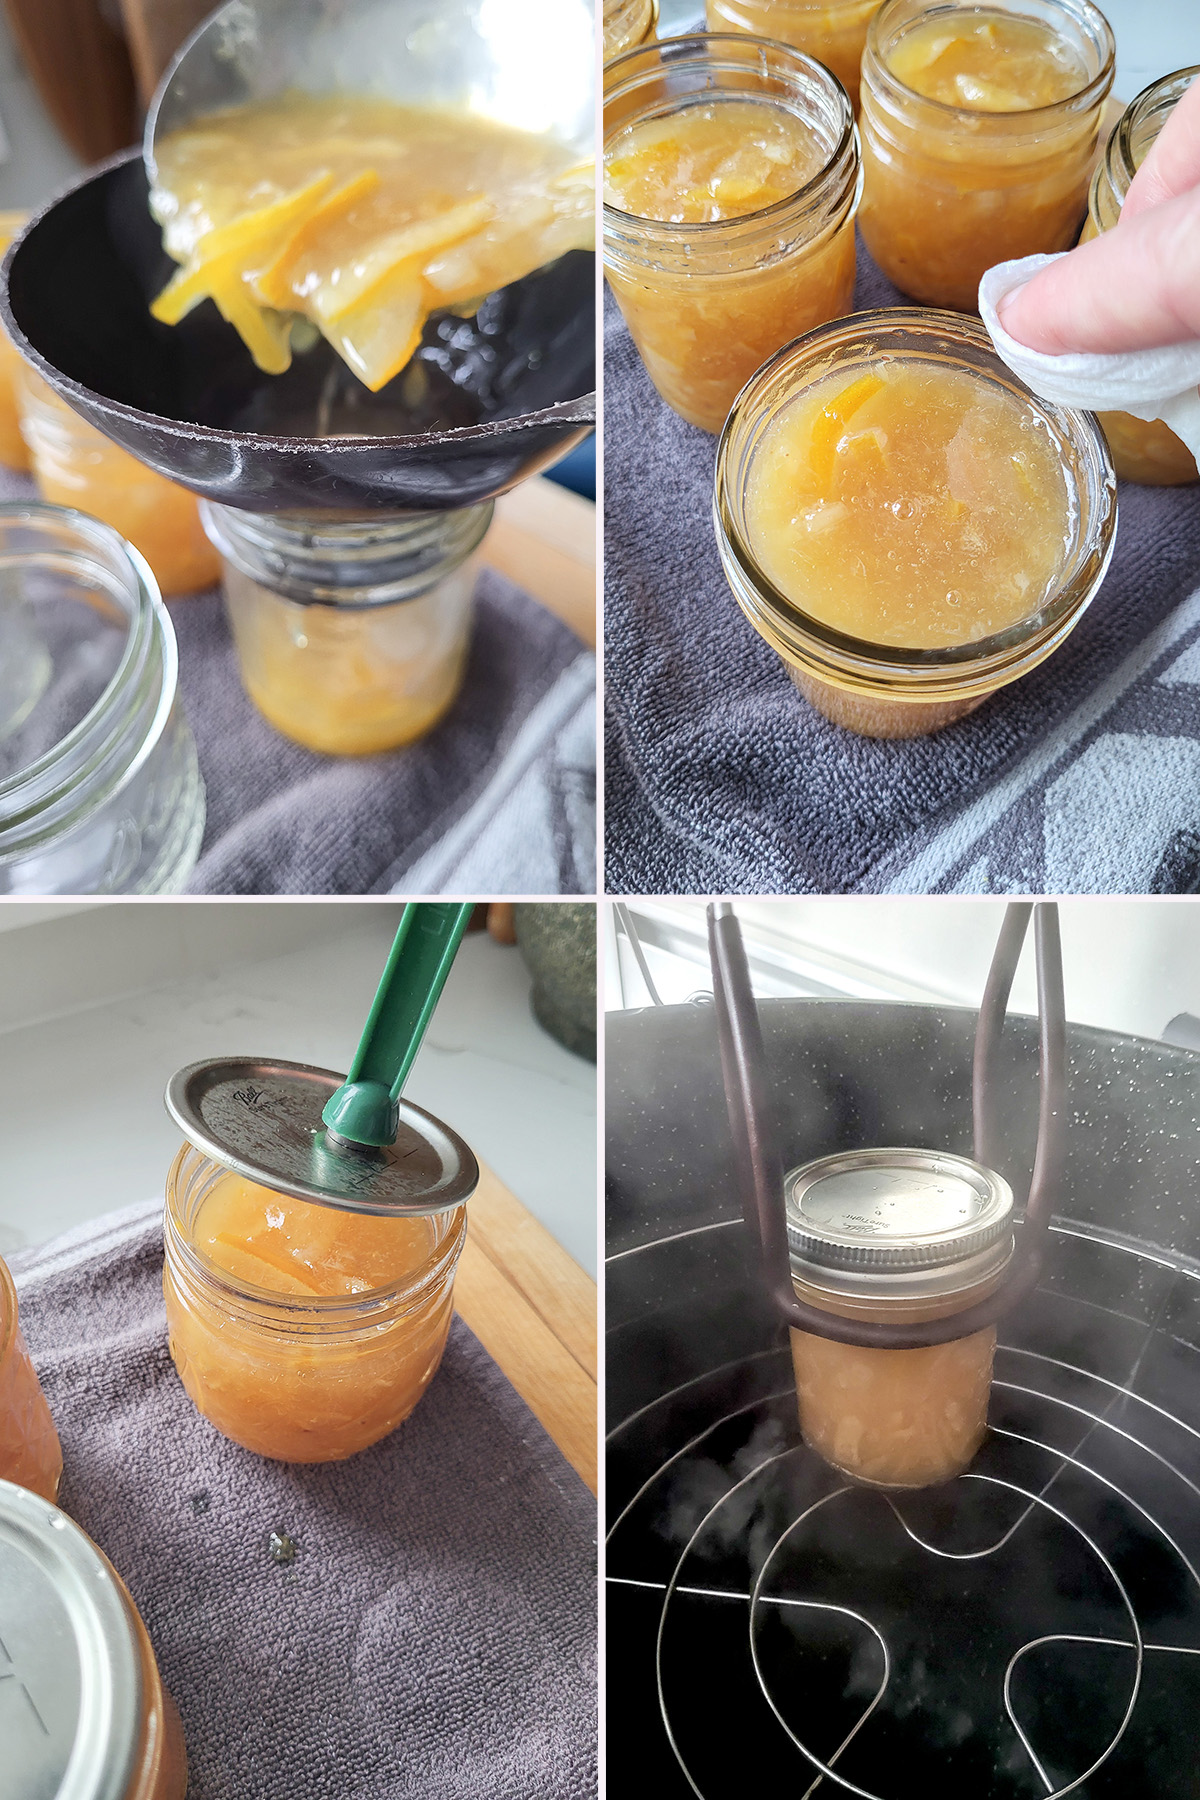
x=503 y=394
x=760 y=1170
x=353 y=1143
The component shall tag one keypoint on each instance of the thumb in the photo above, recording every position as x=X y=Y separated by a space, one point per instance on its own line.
x=1132 y=288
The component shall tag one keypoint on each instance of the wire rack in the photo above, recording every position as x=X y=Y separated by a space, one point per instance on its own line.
x=1028 y=1631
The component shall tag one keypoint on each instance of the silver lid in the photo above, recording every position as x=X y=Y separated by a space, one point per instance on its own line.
x=70 y=1674
x=884 y=1211
x=263 y=1120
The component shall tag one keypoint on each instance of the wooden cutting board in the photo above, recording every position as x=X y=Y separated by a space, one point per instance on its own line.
x=534 y=1311
x=543 y=537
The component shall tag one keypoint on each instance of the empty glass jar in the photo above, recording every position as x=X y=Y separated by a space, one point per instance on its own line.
x=352 y=634
x=100 y=790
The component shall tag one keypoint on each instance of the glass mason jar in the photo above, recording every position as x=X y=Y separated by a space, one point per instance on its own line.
x=1143 y=450
x=628 y=23
x=831 y=31
x=100 y=790
x=112 y=1729
x=950 y=191
x=351 y=634
x=30 y=1453
x=76 y=465
x=13 y=451
x=896 y=1237
x=885 y=690
x=302 y=1378
x=707 y=303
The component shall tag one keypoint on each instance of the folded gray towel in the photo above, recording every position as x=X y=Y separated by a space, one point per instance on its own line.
x=498 y=799
x=435 y=1636
x=1082 y=778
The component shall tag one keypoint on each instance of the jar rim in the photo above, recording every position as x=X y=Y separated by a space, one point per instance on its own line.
x=678 y=49
x=860 y=658
x=267 y=1307
x=1120 y=161
x=1084 y=13
x=98 y=732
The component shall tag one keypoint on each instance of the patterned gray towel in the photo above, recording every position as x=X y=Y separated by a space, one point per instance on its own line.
x=498 y=799
x=434 y=1637
x=1082 y=778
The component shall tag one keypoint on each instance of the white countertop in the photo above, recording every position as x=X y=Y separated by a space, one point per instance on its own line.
x=99 y=1005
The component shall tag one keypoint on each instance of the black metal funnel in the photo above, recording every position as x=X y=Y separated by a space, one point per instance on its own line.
x=485 y=403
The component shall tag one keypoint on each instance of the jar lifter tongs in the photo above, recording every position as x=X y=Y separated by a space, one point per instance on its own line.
x=355 y=1142
x=760 y=1170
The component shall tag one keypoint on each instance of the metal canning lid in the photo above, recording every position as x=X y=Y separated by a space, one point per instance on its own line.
x=885 y=1211
x=263 y=1120
x=70 y=1672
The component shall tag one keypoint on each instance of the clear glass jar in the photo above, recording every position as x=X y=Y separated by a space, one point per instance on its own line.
x=112 y=1728
x=13 y=451
x=884 y=690
x=76 y=465
x=303 y=1378
x=351 y=634
x=949 y=191
x=832 y=31
x=912 y=1236
x=628 y=23
x=30 y=1453
x=100 y=790
x=707 y=303
x=1143 y=450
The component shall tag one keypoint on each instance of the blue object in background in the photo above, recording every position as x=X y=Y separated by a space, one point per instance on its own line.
x=578 y=470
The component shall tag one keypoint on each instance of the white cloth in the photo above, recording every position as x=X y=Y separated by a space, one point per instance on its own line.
x=1150 y=384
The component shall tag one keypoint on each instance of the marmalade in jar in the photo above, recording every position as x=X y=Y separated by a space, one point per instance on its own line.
x=30 y=1454
x=355 y=218
x=979 y=132
x=76 y=465
x=831 y=31
x=302 y=1332
x=729 y=228
x=1143 y=450
x=628 y=23
x=896 y=1237
x=909 y=505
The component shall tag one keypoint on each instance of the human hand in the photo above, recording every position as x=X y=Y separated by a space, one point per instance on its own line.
x=1137 y=286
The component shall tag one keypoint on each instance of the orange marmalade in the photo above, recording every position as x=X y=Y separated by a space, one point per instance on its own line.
x=76 y=465
x=979 y=132
x=1143 y=450
x=909 y=505
x=29 y=1449
x=728 y=212
x=355 y=218
x=302 y=1332
x=831 y=31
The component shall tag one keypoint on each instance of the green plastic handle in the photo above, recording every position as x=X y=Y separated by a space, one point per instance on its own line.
x=365 y=1108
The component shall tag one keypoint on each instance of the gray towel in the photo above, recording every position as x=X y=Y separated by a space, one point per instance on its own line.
x=498 y=799
x=1082 y=778
x=435 y=1636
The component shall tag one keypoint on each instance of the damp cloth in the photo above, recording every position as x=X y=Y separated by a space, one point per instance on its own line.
x=498 y=799
x=1162 y=383
x=434 y=1637
x=1083 y=777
